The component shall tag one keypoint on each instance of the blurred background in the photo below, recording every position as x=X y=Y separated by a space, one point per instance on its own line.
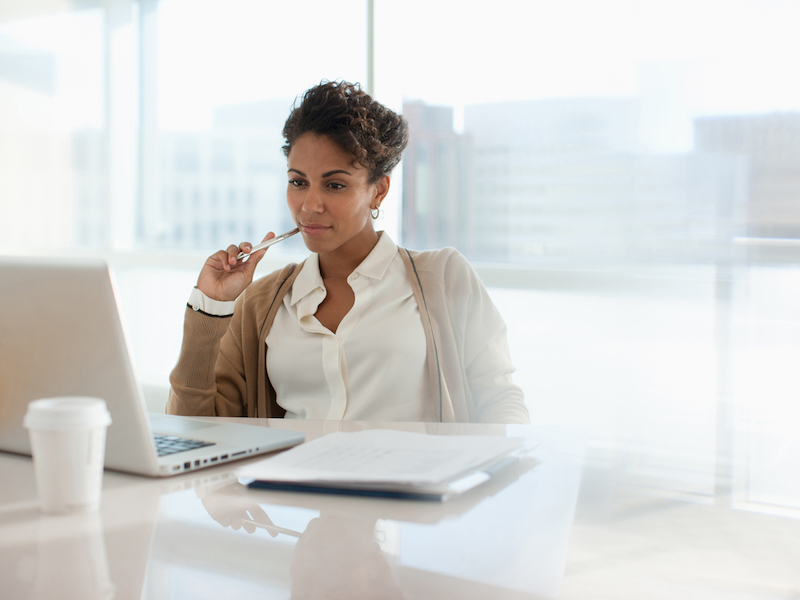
x=623 y=174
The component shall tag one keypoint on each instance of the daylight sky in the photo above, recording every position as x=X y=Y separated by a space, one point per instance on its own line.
x=699 y=56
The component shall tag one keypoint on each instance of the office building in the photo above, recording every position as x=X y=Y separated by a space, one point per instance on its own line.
x=438 y=181
x=562 y=181
x=768 y=148
x=214 y=187
x=35 y=156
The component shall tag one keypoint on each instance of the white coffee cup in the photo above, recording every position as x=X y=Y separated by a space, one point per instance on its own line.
x=68 y=438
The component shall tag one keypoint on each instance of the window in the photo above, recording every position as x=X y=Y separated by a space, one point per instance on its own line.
x=52 y=130
x=226 y=75
x=624 y=174
x=594 y=140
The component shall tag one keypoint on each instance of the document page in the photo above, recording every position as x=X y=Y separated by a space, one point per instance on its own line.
x=383 y=456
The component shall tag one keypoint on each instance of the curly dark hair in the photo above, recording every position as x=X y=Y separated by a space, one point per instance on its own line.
x=373 y=134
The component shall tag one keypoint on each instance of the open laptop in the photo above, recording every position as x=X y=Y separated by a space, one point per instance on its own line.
x=61 y=335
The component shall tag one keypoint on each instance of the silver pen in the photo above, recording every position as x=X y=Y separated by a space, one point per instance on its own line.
x=268 y=243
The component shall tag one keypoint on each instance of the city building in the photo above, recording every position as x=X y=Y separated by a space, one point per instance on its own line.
x=438 y=181
x=768 y=148
x=564 y=181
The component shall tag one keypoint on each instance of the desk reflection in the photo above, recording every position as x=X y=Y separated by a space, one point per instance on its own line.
x=71 y=564
x=339 y=557
x=206 y=535
x=335 y=556
x=506 y=540
x=641 y=526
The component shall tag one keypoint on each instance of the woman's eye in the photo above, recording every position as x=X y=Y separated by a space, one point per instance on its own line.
x=336 y=186
x=295 y=182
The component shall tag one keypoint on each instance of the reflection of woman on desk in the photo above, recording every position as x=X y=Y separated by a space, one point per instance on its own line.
x=362 y=329
x=336 y=556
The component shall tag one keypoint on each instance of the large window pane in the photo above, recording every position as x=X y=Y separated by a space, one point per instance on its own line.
x=625 y=175
x=224 y=77
x=52 y=128
x=585 y=133
x=635 y=164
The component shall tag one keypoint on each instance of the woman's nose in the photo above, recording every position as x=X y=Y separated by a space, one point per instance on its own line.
x=312 y=203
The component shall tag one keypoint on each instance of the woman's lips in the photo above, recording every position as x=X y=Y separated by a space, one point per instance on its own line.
x=313 y=228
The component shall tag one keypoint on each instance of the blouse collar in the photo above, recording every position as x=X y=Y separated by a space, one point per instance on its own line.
x=373 y=266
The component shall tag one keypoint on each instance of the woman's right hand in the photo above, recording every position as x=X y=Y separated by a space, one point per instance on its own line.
x=223 y=277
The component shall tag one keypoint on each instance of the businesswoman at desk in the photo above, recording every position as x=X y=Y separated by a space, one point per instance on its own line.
x=361 y=329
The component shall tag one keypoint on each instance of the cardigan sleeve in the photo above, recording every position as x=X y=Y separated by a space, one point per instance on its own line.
x=208 y=379
x=486 y=356
x=221 y=369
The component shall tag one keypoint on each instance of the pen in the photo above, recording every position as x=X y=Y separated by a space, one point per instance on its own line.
x=268 y=243
x=274 y=529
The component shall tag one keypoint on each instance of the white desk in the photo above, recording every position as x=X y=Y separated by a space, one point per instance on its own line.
x=582 y=524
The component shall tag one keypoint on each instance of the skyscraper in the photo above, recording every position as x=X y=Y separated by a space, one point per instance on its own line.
x=768 y=147
x=438 y=201
x=565 y=181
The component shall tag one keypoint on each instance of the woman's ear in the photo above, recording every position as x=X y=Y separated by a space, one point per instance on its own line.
x=381 y=189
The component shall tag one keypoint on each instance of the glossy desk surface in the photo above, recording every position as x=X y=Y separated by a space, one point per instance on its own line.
x=591 y=520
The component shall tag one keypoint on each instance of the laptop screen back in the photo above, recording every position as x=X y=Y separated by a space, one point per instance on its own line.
x=61 y=335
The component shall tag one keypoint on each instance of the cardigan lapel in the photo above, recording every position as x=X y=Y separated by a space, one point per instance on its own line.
x=436 y=377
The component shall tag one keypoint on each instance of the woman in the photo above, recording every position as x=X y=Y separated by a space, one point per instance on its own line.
x=362 y=329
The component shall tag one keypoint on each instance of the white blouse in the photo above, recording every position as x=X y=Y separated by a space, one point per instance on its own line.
x=373 y=367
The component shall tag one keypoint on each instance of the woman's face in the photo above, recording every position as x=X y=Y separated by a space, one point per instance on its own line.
x=330 y=198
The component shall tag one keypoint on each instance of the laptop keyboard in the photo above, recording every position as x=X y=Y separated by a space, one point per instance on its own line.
x=172 y=444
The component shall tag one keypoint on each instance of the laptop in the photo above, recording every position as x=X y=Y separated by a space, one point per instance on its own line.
x=61 y=334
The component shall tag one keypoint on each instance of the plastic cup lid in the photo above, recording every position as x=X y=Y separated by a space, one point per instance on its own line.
x=77 y=412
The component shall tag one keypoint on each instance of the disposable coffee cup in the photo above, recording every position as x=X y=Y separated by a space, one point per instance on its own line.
x=68 y=439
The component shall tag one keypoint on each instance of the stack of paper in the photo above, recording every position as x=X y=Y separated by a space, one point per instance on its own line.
x=381 y=462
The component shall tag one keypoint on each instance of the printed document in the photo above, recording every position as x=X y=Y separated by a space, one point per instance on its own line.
x=383 y=459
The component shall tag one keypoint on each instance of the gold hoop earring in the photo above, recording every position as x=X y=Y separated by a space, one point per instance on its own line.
x=375 y=212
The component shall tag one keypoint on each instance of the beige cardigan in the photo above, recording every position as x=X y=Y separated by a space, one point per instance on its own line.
x=222 y=371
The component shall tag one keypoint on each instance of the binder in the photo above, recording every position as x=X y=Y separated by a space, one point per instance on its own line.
x=388 y=464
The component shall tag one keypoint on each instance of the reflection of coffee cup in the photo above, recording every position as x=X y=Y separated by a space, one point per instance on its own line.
x=68 y=437
x=73 y=564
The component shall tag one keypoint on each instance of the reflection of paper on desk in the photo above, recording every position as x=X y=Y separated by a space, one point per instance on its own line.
x=386 y=463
